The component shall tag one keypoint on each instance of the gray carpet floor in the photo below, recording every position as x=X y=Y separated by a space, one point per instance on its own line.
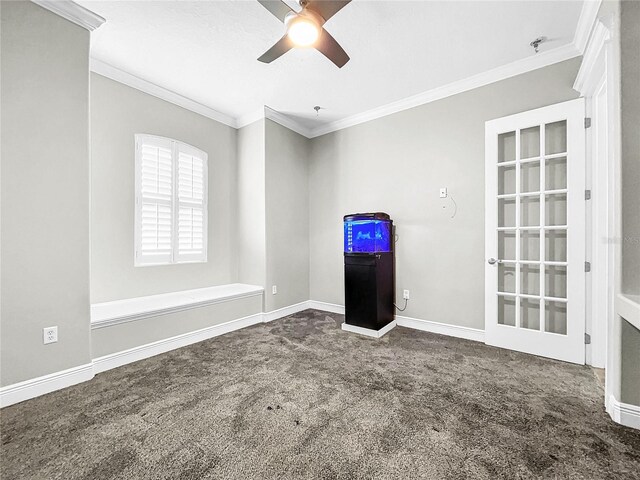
x=300 y=398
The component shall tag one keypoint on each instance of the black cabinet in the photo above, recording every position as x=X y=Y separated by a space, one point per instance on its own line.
x=368 y=270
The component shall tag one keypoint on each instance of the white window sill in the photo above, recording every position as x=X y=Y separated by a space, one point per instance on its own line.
x=131 y=309
x=167 y=264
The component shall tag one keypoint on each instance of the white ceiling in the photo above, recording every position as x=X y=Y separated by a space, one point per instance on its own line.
x=207 y=50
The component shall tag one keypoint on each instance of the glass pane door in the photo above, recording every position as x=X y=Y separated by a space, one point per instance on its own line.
x=532 y=223
x=529 y=305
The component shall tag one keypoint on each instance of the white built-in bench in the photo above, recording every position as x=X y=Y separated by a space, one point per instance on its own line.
x=131 y=309
x=124 y=331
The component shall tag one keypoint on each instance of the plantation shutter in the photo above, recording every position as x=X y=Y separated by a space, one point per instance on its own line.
x=154 y=200
x=171 y=202
x=191 y=205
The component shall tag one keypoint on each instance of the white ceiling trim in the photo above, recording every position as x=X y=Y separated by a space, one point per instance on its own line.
x=109 y=71
x=586 y=22
x=490 y=76
x=286 y=121
x=518 y=67
x=72 y=12
x=588 y=75
x=249 y=118
x=271 y=114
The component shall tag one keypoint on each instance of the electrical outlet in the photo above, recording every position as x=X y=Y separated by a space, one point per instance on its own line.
x=274 y=289
x=405 y=294
x=50 y=335
x=443 y=192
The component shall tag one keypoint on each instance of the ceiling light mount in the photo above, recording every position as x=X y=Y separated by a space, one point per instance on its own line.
x=536 y=43
x=303 y=28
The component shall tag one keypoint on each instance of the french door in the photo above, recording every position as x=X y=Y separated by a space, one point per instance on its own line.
x=535 y=232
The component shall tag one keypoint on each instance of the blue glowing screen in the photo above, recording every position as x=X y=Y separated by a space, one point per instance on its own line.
x=367 y=236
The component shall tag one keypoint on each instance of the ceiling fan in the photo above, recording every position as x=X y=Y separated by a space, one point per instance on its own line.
x=304 y=29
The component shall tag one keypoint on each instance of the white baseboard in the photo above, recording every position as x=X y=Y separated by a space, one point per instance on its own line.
x=326 y=307
x=283 y=312
x=441 y=328
x=118 y=359
x=415 y=323
x=39 y=386
x=367 y=331
x=19 y=392
x=28 y=389
x=624 y=413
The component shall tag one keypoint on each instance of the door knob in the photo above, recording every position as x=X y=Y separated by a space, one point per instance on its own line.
x=493 y=261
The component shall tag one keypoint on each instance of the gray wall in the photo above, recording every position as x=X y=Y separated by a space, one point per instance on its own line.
x=273 y=210
x=287 y=216
x=630 y=365
x=45 y=192
x=251 y=205
x=608 y=8
x=396 y=164
x=119 y=112
x=630 y=195
x=630 y=153
x=265 y=184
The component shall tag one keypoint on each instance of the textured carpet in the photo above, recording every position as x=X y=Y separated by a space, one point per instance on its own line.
x=300 y=398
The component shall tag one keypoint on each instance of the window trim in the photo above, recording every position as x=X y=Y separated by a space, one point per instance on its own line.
x=176 y=147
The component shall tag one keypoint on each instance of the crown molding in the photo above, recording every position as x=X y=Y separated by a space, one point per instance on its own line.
x=586 y=22
x=73 y=12
x=513 y=69
x=593 y=64
x=509 y=70
x=109 y=71
x=249 y=118
x=286 y=121
x=272 y=114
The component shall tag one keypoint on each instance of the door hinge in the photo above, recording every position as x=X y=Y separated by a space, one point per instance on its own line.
x=587 y=339
x=587 y=267
x=587 y=122
x=587 y=194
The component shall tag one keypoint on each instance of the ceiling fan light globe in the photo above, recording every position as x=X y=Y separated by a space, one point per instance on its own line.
x=303 y=32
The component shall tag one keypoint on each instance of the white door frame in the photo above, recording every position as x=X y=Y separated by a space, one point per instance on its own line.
x=600 y=291
x=592 y=83
x=597 y=81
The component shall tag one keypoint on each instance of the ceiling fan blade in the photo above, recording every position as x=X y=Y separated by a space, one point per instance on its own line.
x=277 y=7
x=281 y=47
x=326 y=8
x=331 y=49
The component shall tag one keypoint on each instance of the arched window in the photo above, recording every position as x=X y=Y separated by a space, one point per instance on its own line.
x=170 y=203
